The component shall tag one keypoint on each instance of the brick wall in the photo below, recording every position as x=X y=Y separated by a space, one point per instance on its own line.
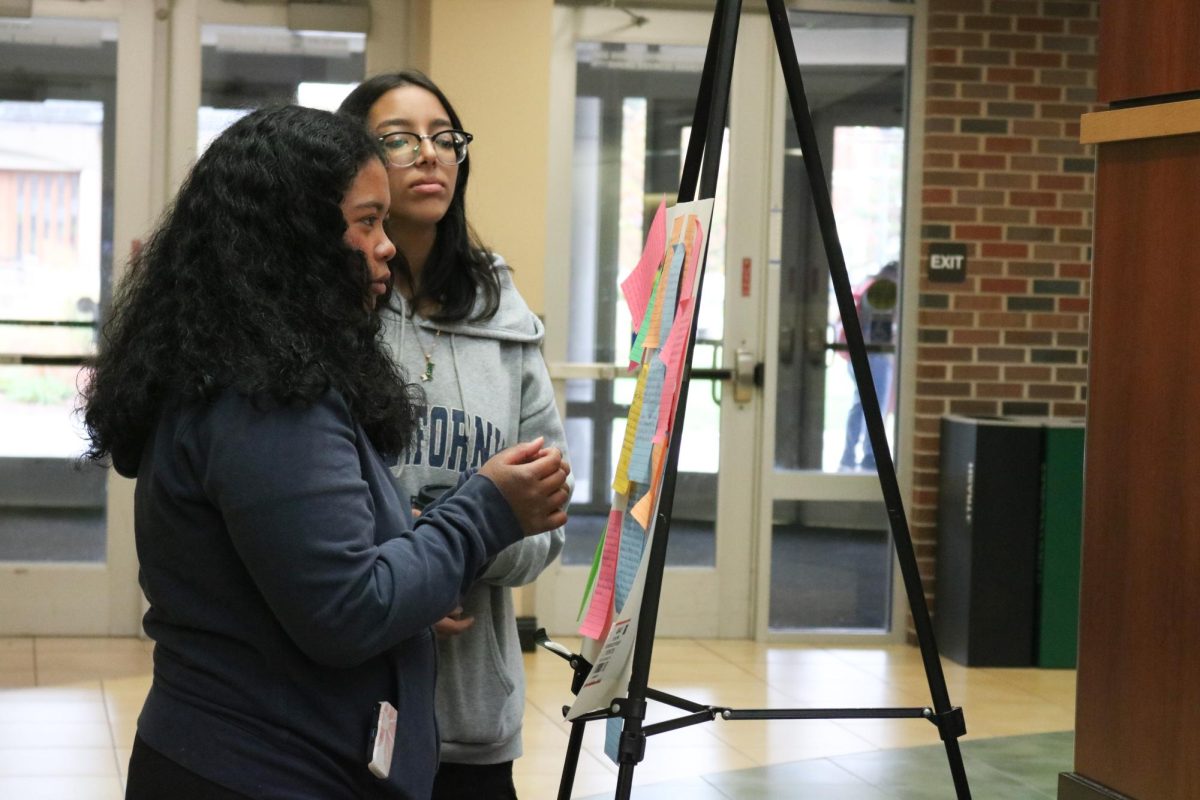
x=1004 y=174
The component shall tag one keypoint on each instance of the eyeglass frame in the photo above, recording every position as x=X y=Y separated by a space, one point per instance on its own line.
x=421 y=139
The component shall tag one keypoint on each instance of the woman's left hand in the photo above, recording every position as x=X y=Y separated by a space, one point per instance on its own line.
x=452 y=624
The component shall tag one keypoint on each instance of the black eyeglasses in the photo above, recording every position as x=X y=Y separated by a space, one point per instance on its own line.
x=403 y=147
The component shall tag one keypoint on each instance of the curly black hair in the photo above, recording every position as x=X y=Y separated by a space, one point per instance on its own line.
x=459 y=267
x=246 y=284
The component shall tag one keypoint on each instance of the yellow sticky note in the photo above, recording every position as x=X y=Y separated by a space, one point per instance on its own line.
x=620 y=482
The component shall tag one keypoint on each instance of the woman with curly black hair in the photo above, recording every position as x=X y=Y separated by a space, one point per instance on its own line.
x=457 y=321
x=242 y=380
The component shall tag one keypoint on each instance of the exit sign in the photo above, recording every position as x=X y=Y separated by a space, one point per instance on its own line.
x=947 y=262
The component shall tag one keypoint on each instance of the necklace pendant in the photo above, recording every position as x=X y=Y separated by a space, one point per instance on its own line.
x=427 y=375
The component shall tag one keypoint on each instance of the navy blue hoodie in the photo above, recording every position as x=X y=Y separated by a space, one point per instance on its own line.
x=289 y=593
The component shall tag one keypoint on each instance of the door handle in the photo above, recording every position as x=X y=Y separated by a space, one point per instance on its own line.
x=815 y=345
x=711 y=374
x=746 y=374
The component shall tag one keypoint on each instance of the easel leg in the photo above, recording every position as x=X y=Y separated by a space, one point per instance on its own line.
x=958 y=772
x=700 y=162
x=624 y=782
x=574 y=745
x=950 y=724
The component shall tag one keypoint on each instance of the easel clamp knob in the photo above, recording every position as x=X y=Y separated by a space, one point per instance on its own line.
x=950 y=725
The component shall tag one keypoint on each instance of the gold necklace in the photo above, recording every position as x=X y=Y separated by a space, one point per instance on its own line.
x=427 y=375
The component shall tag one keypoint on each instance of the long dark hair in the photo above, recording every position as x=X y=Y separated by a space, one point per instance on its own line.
x=459 y=267
x=247 y=284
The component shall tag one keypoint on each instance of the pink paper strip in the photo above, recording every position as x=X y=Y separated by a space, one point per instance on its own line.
x=599 y=615
x=636 y=286
x=675 y=348
x=671 y=354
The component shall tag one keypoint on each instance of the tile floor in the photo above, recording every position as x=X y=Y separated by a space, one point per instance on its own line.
x=68 y=710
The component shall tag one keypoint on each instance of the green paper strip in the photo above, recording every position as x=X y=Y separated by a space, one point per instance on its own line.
x=635 y=353
x=587 y=592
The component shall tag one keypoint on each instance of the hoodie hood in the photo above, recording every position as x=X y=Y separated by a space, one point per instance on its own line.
x=513 y=321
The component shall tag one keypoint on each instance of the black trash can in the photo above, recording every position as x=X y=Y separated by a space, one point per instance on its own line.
x=989 y=511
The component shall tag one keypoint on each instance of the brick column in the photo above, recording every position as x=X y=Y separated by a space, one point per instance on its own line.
x=1004 y=174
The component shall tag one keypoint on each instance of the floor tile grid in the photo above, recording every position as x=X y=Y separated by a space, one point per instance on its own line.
x=90 y=691
x=60 y=734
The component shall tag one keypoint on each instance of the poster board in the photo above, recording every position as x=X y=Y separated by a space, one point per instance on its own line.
x=661 y=294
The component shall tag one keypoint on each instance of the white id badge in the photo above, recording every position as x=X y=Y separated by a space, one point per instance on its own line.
x=383 y=740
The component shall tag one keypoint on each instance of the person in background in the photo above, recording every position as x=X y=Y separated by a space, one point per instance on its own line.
x=242 y=380
x=458 y=323
x=876 y=302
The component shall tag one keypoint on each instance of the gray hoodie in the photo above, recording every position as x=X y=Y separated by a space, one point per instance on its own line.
x=488 y=389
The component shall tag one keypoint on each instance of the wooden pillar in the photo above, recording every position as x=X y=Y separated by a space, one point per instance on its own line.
x=492 y=58
x=1138 y=696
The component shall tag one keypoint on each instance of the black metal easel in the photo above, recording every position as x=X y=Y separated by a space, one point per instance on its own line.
x=704 y=147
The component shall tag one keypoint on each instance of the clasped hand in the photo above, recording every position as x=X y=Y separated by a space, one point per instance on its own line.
x=533 y=479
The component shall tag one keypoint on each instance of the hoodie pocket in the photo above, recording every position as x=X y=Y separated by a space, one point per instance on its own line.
x=499 y=663
x=476 y=693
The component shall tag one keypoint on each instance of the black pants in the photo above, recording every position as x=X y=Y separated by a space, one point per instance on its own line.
x=153 y=776
x=474 y=781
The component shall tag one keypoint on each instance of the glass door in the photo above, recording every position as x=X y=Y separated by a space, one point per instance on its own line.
x=830 y=557
x=63 y=567
x=103 y=109
x=231 y=58
x=632 y=98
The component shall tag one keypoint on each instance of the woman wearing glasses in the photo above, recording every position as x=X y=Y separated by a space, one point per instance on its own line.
x=457 y=322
